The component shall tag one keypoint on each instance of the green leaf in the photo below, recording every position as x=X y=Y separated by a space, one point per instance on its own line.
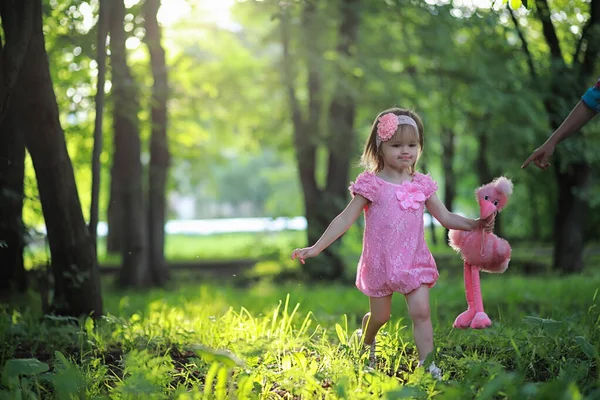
x=89 y=326
x=550 y=326
x=515 y=4
x=210 y=376
x=340 y=333
x=494 y=386
x=407 y=392
x=586 y=346
x=210 y=356
x=27 y=366
x=286 y=362
x=67 y=379
x=300 y=360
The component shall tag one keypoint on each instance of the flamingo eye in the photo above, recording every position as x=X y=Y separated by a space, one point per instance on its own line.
x=495 y=202
x=486 y=197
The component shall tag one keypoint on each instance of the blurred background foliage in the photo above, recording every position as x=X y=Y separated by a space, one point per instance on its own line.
x=460 y=64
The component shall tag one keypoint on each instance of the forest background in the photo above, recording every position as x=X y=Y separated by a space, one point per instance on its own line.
x=119 y=118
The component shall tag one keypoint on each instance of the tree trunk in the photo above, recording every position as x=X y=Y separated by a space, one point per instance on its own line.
x=567 y=84
x=115 y=213
x=328 y=265
x=12 y=169
x=12 y=144
x=159 y=150
x=17 y=25
x=97 y=150
x=76 y=277
x=322 y=205
x=570 y=217
x=484 y=171
x=572 y=178
x=127 y=166
x=333 y=198
x=534 y=213
x=448 y=147
x=431 y=226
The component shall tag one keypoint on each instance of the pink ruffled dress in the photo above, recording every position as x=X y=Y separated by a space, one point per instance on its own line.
x=395 y=257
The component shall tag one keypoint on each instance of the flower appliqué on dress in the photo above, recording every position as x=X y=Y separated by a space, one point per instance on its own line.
x=410 y=196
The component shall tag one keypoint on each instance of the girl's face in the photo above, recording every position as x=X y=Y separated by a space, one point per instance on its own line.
x=401 y=152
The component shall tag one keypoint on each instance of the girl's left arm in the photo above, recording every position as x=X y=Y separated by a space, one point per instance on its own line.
x=450 y=220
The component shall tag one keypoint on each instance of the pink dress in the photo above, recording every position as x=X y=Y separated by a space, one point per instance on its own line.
x=395 y=257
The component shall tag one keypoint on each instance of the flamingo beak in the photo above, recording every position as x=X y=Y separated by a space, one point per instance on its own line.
x=486 y=208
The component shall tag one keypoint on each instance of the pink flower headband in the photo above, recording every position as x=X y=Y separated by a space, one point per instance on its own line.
x=388 y=124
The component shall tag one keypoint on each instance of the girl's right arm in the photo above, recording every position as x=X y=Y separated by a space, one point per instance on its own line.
x=336 y=228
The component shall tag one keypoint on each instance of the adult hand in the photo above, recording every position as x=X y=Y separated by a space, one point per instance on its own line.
x=540 y=156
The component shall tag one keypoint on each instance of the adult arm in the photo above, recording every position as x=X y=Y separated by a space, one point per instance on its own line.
x=581 y=114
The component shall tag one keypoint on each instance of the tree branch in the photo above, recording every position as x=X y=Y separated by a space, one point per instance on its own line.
x=549 y=31
x=591 y=35
x=314 y=75
x=342 y=109
x=288 y=76
x=524 y=46
x=305 y=150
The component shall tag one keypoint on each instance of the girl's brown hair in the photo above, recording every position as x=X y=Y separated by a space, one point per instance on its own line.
x=371 y=158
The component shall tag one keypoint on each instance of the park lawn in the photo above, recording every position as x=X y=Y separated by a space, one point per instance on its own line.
x=277 y=246
x=190 y=248
x=290 y=340
x=224 y=246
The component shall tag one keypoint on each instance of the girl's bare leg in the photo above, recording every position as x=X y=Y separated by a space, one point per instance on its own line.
x=380 y=314
x=418 y=309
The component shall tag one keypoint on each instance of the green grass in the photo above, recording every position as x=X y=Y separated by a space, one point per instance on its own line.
x=219 y=247
x=267 y=341
x=195 y=247
x=278 y=246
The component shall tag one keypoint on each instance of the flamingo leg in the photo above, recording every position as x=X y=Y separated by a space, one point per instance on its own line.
x=480 y=320
x=464 y=320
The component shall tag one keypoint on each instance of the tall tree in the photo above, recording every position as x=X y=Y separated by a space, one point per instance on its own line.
x=127 y=167
x=102 y=33
x=159 y=149
x=12 y=143
x=567 y=76
x=76 y=278
x=12 y=170
x=322 y=204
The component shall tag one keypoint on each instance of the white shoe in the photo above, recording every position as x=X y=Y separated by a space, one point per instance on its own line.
x=434 y=370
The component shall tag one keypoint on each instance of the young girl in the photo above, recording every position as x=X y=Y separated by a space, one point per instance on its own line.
x=395 y=257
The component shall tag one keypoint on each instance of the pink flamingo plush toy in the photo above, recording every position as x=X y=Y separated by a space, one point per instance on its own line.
x=482 y=251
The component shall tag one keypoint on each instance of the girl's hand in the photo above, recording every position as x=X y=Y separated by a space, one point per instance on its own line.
x=304 y=253
x=487 y=225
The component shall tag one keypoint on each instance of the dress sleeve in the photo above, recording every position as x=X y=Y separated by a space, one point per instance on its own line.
x=365 y=185
x=429 y=185
x=592 y=97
